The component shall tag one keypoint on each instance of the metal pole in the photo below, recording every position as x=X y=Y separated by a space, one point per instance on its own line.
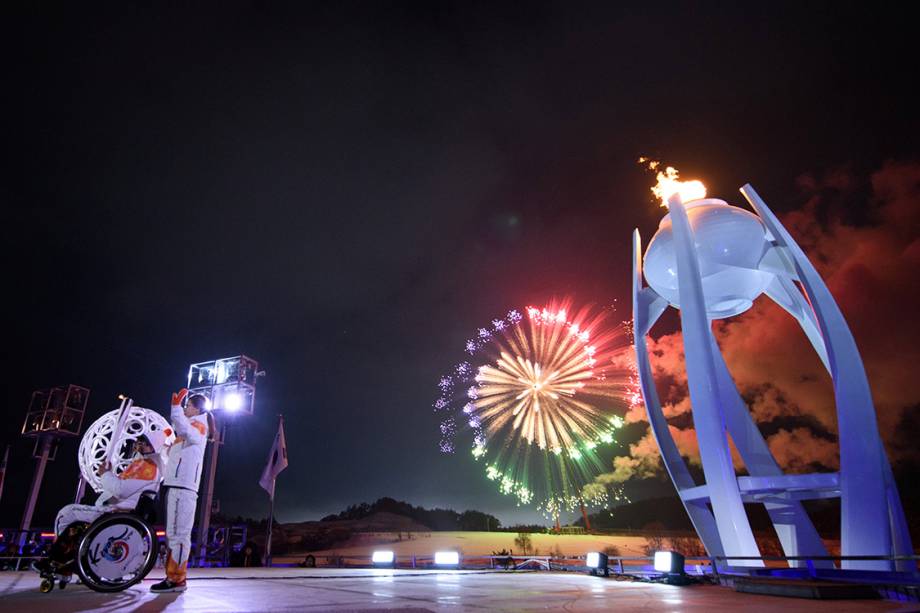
x=36 y=482
x=204 y=512
x=271 y=515
x=81 y=489
x=271 y=508
x=3 y=467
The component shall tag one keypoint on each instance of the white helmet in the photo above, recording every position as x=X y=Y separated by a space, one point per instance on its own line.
x=157 y=437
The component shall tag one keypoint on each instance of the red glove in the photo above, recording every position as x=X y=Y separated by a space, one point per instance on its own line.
x=179 y=397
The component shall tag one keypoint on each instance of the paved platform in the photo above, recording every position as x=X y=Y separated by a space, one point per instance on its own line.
x=296 y=589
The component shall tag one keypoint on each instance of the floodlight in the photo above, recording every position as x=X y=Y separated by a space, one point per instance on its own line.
x=596 y=561
x=230 y=383
x=447 y=558
x=669 y=562
x=232 y=402
x=383 y=557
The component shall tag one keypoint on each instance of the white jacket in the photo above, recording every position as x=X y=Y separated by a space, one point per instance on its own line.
x=186 y=454
x=122 y=491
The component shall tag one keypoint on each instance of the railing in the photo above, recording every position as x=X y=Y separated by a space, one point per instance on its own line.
x=16 y=563
x=518 y=562
x=721 y=565
x=18 y=548
x=541 y=562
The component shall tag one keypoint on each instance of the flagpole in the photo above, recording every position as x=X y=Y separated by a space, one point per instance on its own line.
x=6 y=459
x=271 y=515
x=271 y=511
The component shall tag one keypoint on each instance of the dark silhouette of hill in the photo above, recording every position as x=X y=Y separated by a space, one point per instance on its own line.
x=434 y=519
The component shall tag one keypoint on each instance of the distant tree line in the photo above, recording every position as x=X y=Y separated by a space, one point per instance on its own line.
x=527 y=528
x=434 y=519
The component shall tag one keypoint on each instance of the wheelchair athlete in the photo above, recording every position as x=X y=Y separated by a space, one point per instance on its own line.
x=119 y=493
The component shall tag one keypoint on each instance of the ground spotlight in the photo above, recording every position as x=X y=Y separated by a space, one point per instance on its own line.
x=671 y=564
x=597 y=561
x=383 y=558
x=447 y=558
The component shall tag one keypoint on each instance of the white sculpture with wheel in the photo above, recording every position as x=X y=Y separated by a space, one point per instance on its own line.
x=129 y=422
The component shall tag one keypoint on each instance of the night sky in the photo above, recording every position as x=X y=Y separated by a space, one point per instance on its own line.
x=346 y=192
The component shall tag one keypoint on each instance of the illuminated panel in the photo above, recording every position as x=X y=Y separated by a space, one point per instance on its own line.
x=665 y=561
x=447 y=558
x=383 y=557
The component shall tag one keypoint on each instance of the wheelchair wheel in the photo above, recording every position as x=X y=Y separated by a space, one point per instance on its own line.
x=116 y=552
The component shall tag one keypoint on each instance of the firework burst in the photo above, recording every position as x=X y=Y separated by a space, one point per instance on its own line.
x=541 y=394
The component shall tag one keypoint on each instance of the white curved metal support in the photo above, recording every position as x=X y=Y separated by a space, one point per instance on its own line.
x=708 y=414
x=868 y=522
x=794 y=528
x=784 y=293
x=647 y=308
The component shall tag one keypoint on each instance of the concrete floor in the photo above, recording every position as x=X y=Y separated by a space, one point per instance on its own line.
x=295 y=589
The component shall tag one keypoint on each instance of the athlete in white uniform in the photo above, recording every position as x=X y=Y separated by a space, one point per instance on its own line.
x=181 y=478
x=119 y=493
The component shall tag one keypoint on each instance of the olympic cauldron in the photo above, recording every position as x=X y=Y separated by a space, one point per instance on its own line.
x=730 y=243
x=711 y=260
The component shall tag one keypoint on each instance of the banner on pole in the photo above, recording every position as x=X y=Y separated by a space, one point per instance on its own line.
x=277 y=461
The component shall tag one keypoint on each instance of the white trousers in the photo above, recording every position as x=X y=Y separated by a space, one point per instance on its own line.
x=78 y=512
x=180 y=517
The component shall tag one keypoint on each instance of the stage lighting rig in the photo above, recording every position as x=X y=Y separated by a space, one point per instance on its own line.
x=229 y=383
x=53 y=414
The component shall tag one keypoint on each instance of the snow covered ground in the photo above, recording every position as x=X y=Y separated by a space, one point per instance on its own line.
x=471 y=544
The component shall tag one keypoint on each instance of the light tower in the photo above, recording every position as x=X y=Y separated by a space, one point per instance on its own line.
x=53 y=414
x=711 y=261
x=230 y=386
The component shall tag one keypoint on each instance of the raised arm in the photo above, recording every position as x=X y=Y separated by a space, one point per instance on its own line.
x=194 y=433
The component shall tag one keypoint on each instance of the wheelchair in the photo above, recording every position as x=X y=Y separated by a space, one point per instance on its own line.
x=115 y=552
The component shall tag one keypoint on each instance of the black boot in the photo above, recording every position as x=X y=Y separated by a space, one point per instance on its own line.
x=168 y=586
